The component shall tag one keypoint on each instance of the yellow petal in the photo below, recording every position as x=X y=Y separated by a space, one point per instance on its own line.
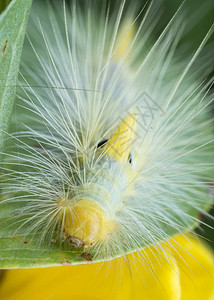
x=120 y=279
x=196 y=264
x=154 y=276
x=187 y=273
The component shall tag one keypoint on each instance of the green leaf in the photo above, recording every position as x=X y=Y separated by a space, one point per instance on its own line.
x=12 y=31
x=21 y=250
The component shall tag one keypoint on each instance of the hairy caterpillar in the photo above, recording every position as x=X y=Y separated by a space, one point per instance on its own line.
x=115 y=149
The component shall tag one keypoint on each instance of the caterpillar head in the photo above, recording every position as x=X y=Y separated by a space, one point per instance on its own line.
x=90 y=214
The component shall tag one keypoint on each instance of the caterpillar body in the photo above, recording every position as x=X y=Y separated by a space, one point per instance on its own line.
x=115 y=150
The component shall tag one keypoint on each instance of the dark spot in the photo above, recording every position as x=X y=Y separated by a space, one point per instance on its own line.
x=25 y=242
x=130 y=158
x=5 y=46
x=201 y=217
x=66 y=263
x=76 y=242
x=87 y=257
x=102 y=143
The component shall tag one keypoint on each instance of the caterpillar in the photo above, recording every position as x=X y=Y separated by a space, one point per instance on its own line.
x=111 y=140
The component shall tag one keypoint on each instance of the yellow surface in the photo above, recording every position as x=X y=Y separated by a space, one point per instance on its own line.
x=196 y=265
x=184 y=273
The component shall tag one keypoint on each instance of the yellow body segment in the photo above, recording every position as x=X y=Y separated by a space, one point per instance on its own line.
x=87 y=222
x=120 y=144
x=125 y=39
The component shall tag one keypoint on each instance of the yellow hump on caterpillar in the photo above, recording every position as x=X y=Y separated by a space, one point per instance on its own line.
x=124 y=40
x=86 y=223
x=121 y=141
